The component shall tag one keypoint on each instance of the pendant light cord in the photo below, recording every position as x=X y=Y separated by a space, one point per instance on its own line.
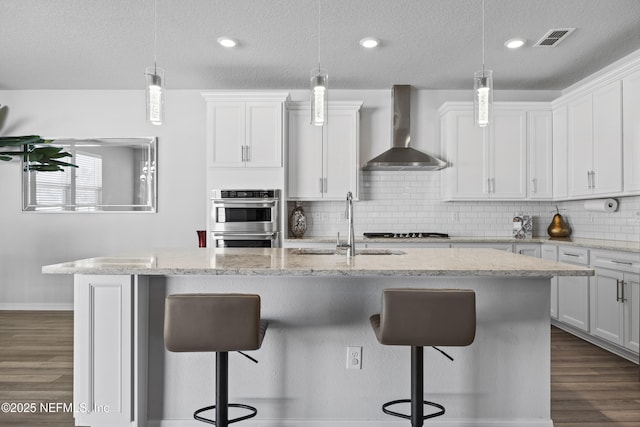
x=319 y=35
x=155 y=37
x=482 y=38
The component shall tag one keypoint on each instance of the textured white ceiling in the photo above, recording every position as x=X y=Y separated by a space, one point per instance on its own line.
x=432 y=44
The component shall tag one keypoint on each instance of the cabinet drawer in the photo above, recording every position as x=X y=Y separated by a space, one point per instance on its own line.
x=628 y=262
x=573 y=255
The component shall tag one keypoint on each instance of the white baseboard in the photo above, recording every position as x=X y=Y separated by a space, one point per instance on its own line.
x=365 y=423
x=36 y=306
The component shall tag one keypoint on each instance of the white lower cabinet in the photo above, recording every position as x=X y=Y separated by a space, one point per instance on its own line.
x=573 y=291
x=550 y=253
x=604 y=308
x=607 y=305
x=615 y=299
x=529 y=249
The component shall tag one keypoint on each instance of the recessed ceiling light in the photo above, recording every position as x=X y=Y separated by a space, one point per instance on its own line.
x=369 y=42
x=227 y=42
x=515 y=43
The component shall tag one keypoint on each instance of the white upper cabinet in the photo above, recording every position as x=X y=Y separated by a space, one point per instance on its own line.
x=595 y=142
x=560 y=159
x=540 y=139
x=323 y=161
x=491 y=163
x=245 y=129
x=631 y=132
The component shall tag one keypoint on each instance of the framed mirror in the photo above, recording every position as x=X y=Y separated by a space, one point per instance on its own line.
x=113 y=175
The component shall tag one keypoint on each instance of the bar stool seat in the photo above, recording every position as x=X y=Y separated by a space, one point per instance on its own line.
x=424 y=317
x=217 y=323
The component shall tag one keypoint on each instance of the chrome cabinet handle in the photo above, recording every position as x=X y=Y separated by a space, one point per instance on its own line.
x=324 y=188
x=618 y=290
x=621 y=262
x=534 y=184
x=321 y=186
x=242 y=153
x=248 y=150
x=624 y=298
x=574 y=255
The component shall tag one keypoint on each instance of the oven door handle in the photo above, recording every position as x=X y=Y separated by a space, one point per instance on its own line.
x=245 y=202
x=245 y=236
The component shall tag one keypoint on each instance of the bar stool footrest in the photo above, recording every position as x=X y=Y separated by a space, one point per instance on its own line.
x=253 y=413
x=408 y=417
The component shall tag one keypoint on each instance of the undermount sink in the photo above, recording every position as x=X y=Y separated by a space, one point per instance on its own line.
x=371 y=251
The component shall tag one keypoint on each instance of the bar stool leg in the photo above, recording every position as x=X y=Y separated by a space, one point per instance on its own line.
x=222 y=389
x=417 y=386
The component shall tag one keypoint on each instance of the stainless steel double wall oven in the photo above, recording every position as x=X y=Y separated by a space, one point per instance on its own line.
x=245 y=218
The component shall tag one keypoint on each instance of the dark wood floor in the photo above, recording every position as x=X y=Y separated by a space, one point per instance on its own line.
x=590 y=387
x=36 y=366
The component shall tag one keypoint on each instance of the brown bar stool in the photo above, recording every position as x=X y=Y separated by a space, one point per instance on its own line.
x=215 y=323
x=424 y=317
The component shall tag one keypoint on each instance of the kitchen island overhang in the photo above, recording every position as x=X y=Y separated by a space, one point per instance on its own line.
x=317 y=306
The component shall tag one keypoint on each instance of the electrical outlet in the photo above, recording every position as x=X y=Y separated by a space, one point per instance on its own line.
x=636 y=216
x=354 y=357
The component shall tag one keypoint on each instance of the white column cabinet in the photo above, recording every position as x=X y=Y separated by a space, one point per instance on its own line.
x=323 y=161
x=595 y=142
x=245 y=129
x=509 y=160
x=631 y=132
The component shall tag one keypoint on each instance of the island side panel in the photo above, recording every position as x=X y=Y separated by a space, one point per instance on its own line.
x=302 y=377
x=110 y=350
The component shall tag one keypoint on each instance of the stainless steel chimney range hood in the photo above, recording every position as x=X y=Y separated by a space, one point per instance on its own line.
x=401 y=156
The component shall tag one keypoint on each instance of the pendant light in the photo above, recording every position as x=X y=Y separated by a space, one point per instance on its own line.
x=155 y=80
x=483 y=90
x=319 y=86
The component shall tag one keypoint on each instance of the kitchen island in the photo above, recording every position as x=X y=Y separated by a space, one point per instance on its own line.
x=317 y=305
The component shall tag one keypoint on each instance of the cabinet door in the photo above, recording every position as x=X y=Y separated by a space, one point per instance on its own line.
x=631 y=132
x=226 y=123
x=340 y=161
x=573 y=301
x=540 y=138
x=263 y=134
x=632 y=312
x=580 y=133
x=607 y=311
x=551 y=253
x=467 y=176
x=305 y=157
x=508 y=155
x=607 y=139
x=560 y=159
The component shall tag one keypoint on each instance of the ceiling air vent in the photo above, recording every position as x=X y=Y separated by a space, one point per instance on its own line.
x=554 y=37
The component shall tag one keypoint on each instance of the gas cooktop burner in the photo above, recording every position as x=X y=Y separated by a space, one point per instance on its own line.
x=405 y=235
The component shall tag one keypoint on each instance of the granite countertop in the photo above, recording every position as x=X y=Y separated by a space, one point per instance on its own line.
x=458 y=262
x=615 y=245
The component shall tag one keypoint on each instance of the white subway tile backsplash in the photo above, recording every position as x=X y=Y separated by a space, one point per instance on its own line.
x=407 y=201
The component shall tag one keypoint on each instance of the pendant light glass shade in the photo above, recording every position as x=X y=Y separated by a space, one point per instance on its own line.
x=319 y=87
x=483 y=97
x=155 y=94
